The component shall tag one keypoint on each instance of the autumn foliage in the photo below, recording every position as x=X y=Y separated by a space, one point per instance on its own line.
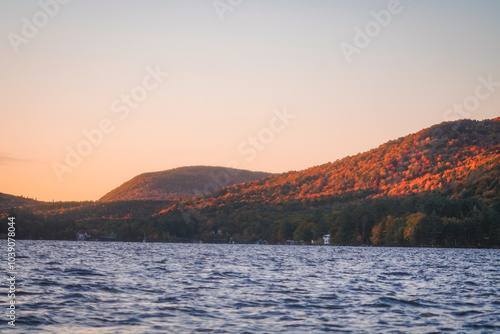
x=437 y=187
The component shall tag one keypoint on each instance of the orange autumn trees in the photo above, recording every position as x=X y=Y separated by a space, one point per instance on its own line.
x=439 y=186
x=430 y=160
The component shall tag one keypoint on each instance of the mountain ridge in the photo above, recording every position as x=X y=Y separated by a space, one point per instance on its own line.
x=438 y=186
x=409 y=164
x=435 y=187
x=179 y=183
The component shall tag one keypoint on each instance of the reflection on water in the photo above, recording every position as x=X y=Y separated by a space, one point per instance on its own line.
x=92 y=287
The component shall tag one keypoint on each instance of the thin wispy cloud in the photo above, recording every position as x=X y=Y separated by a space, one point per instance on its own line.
x=6 y=160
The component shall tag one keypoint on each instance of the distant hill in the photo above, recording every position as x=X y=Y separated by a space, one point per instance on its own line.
x=179 y=183
x=10 y=201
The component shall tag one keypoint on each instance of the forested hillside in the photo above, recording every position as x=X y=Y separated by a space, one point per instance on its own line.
x=433 y=159
x=9 y=201
x=437 y=187
x=62 y=220
x=180 y=183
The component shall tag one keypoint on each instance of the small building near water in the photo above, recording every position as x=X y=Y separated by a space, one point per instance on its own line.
x=82 y=236
x=326 y=239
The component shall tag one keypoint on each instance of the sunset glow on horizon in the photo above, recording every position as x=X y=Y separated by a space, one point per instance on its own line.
x=94 y=93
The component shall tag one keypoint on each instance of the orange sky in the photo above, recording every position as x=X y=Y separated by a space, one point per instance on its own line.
x=267 y=86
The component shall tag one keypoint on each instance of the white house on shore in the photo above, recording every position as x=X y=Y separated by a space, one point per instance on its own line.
x=326 y=239
x=82 y=236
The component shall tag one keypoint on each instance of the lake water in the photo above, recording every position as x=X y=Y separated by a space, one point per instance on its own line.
x=92 y=287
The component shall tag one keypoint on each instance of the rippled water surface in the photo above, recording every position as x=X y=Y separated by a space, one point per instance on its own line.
x=92 y=287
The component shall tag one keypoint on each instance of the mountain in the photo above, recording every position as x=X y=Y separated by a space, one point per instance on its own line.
x=180 y=183
x=437 y=158
x=439 y=186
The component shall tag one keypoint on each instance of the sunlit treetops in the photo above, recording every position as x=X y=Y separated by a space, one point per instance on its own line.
x=433 y=159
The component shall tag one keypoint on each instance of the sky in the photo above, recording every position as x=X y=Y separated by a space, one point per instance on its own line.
x=93 y=93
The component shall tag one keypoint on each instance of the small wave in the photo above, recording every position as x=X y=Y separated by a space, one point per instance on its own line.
x=296 y=306
x=24 y=292
x=377 y=304
x=481 y=325
x=327 y=306
x=256 y=316
x=71 y=296
x=290 y=318
x=244 y=304
x=129 y=321
x=47 y=282
x=329 y=297
x=459 y=303
x=466 y=313
x=166 y=300
x=395 y=301
x=33 y=320
x=108 y=289
x=82 y=272
x=77 y=287
x=428 y=315
x=397 y=273
x=162 y=261
x=471 y=283
x=227 y=274
x=159 y=315
x=162 y=268
x=291 y=300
